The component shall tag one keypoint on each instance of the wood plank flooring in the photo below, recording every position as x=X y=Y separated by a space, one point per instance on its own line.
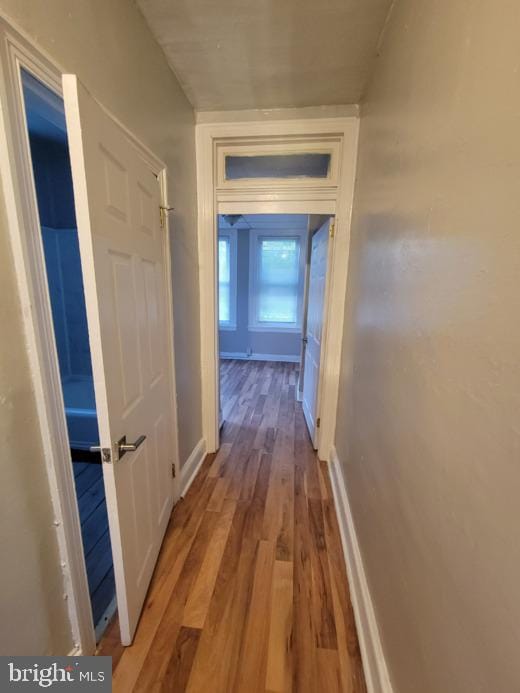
x=250 y=592
x=90 y=493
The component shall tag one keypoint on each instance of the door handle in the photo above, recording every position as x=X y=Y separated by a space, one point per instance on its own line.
x=304 y=340
x=124 y=447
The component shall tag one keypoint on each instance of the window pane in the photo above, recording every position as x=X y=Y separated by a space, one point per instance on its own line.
x=278 y=280
x=279 y=261
x=277 y=304
x=223 y=260
x=224 y=277
x=278 y=166
x=223 y=303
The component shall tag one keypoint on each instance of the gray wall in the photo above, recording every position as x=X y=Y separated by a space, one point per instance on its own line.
x=242 y=339
x=428 y=422
x=109 y=46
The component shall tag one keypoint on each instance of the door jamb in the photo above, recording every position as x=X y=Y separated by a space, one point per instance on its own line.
x=335 y=200
x=19 y=51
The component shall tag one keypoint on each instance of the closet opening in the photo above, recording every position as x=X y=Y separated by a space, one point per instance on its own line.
x=47 y=133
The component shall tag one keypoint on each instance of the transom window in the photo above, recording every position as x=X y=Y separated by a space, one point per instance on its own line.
x=311 y=165
x=287 y=162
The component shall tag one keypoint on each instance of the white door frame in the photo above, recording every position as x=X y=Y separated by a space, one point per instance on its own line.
x=217 y=196
x=17 y=51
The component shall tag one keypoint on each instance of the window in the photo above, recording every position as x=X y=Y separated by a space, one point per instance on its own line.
x=303 y=162
x=311 y=165
x=227 y=279
x=276 y=282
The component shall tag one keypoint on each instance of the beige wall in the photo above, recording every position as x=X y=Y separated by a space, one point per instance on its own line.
x=33 y=615
x=108 y=45
x=429 y=416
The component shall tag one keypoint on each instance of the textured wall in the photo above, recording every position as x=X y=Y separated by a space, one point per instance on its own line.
x=108 y=45
x=428 y=426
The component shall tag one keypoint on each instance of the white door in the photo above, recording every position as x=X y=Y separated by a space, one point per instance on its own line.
x=315 y=313
x=123 y=260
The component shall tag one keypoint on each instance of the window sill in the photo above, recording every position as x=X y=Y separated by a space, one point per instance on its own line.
x=274 y=328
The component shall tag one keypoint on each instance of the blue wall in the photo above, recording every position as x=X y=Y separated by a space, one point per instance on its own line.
x=55 y=194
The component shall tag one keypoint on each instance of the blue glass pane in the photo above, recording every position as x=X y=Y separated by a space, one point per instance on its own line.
x=278 y=166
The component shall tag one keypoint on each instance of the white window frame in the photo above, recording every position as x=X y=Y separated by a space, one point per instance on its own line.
x=231 y=235
x=325 y=145
x=255 y=240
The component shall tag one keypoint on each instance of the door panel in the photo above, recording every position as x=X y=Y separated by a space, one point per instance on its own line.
x=122 y=254
x=315 y=313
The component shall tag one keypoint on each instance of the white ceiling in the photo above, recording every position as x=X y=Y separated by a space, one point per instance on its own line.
x=243 y=54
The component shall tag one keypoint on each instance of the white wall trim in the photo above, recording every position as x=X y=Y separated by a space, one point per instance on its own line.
x=192 y=465
x=374 y=663
x=163 y=183
x=266 y=114
x=243 y=356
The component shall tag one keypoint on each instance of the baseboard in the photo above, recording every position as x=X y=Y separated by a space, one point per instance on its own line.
x=228 y=355
x=374 y=664
x=242 y=356
x=191 y=466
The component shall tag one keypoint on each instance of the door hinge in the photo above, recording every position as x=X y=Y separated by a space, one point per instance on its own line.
x=332 y=229
x=318 y=422
x=174 y=471
x=163 y=211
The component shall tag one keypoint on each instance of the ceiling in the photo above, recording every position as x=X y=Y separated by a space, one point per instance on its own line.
x=244 y=54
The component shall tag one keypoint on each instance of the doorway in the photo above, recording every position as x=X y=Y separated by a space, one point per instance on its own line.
x=47 y=133
x=300 y=167
x=272 y=272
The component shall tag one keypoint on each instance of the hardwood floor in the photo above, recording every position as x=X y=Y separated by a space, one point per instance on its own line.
x=250 y=592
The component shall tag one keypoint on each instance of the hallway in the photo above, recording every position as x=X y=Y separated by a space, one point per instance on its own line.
x=250 y=591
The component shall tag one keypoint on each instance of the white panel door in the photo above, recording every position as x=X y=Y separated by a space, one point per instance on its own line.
x=315 y=313
x=122 y=256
